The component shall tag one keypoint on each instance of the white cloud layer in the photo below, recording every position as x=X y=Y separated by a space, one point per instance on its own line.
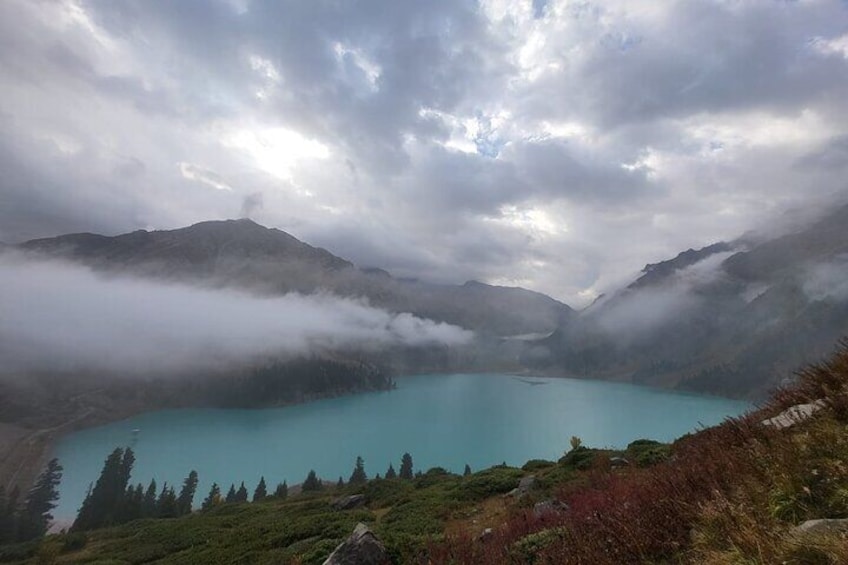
x=65 y=317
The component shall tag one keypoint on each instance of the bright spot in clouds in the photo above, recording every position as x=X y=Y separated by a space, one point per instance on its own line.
x=276 y=150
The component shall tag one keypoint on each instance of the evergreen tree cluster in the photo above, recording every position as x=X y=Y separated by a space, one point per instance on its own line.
x=30 y=520
x=112 y=500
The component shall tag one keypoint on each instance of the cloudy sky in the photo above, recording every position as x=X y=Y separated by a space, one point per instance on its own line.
x=558 y=145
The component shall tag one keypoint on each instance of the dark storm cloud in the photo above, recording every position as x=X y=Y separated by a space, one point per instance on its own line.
x=557 y=144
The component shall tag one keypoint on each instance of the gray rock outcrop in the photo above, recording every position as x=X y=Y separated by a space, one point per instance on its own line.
x=524 y=486
x=823 y=526
x=349 y=502
x=361 y=548
x=549 y=507
x=794 y=415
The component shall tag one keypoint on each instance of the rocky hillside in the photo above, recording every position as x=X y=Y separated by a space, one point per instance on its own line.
x=243 y=254
x=733 y=318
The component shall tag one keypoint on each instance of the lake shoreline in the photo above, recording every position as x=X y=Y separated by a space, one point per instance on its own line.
x=26 y=450
x=443 y=420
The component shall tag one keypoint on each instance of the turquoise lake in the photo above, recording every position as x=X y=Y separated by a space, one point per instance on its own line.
x=442 y=420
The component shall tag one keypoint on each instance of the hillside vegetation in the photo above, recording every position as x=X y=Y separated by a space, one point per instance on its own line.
x=734 y=493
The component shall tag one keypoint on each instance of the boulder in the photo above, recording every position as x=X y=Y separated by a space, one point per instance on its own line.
x=361 y=548
x=349 y=502
x=794 y=415
x=548 y=507
x=524 y=486
x=823 y=526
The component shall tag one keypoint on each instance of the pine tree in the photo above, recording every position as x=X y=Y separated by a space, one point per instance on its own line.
x=405 y=466
x=231 y=494
x=134 y=500
x=358 y=476
x=241 y=493
x=282 y=490
x=103 y=505
x=340 y=483
x=467 y=470
x=166 y=505
x=213 y=498
x=35 y=517
x=148 y=503
x=391 y=473
x=312 y=482
x=186 y=497
x=261 y=491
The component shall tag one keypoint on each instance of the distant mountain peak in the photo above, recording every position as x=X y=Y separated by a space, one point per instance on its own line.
x=656 y=272
x=241 y=253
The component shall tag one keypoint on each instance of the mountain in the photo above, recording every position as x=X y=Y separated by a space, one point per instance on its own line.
x=733 y=318
x=243 y=254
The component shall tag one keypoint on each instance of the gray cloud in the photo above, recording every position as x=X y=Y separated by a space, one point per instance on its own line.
x=556 y=145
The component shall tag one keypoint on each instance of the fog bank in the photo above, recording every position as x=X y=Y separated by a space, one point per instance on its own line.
x=58 y=316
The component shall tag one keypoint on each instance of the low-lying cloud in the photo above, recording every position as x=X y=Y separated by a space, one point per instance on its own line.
x=828 y=281
x=640 y=310
x=58 y=316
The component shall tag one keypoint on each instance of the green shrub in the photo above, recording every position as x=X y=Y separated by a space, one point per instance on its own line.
x=527 y=548
x=497 y=480
x=653 y=455
x=536 y=465
x=579 y=458
x=74 y=541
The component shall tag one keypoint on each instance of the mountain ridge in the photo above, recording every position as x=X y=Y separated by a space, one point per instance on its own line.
x=733 y=318
x=244 y=254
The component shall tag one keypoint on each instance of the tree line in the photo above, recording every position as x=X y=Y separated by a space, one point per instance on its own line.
x=113 y=500
x=31 y=518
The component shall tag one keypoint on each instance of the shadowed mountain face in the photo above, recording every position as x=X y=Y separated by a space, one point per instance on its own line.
x=732 y=318
x=243 y=254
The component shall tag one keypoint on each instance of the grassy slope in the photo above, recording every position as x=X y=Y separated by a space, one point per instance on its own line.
x=729 y=494
x=407 y=515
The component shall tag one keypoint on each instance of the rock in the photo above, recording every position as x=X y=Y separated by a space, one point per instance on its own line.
x=361 y=548
x=526 y=483
x=524 y=486
x=794 y=415
x=619 y=462
x=349 y=502
x=547 y=507
x=486 y=535
x=823 y=526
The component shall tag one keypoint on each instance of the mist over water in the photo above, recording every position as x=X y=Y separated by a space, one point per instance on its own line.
x=442 y=420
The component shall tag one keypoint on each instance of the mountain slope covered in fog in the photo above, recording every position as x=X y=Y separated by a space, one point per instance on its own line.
x=733 y=318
